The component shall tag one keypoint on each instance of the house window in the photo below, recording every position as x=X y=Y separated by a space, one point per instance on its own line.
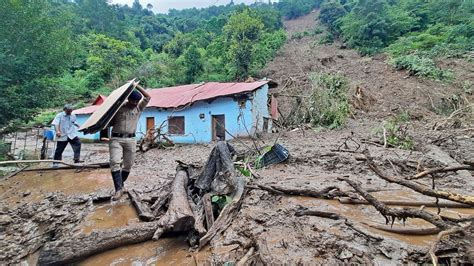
x=176 y=125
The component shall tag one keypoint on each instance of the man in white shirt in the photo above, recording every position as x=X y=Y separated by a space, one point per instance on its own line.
x=66 y=132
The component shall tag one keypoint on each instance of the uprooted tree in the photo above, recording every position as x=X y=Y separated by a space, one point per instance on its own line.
x=186 y=209
x=189 y=209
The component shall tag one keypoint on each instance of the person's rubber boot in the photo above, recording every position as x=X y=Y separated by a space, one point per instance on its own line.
x=125 y=175
x=78 y=161
x=118 y=184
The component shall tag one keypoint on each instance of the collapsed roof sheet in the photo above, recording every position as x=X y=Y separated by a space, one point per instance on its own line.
x=106 y=111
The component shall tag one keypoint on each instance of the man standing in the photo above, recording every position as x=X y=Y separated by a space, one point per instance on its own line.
x=66 y=132
x=123 y=143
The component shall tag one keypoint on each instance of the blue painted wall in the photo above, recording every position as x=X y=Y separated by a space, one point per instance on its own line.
x=241 y=118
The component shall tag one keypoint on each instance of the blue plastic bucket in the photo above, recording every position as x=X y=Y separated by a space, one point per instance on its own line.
x=49 y=134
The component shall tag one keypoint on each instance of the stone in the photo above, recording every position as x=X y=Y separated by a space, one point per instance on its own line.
x=26 y=193
x=345 y=254
x=5 y=219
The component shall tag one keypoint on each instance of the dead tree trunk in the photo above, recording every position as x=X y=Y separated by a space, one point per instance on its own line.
x=219 y=178
x=326 y=193
x=421 y=189
x=84 y=245
x=218 y=175
x=406 y=230
x=179 y=216
x=399 y=213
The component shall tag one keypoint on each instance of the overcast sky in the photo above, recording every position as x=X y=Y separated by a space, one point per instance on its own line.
x=162 y=6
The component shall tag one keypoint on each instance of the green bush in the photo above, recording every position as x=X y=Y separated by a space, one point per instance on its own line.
x=395 y=132
x=328 y=104
x=4 y=149
x=326 y=38
x=43 y=118
x=420 y=66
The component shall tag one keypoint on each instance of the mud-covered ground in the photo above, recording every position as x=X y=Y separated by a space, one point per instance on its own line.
x=43 y=206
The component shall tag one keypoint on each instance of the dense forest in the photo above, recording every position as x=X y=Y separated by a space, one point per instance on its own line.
x=52 y=52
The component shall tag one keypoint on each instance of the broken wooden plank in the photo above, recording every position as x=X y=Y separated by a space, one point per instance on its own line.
x=206 y=199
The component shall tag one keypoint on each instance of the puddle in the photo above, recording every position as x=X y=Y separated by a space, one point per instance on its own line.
x=36 y=184
x=368 y=214
x=110 y=216
x=166 y=251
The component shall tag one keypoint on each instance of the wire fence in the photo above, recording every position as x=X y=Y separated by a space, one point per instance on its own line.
x=27 y=143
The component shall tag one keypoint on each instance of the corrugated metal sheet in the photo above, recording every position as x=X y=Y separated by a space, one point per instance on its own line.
x=105 y=112
x=173 y=97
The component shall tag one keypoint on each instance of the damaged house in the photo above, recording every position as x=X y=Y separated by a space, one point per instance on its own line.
x=200 y=113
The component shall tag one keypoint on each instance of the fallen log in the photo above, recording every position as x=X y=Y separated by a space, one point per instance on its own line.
x=421 y=189
x=441 y=170
x=142 y=208
x=362 y=231
x=399 y=213
x=307 y=212
x=423 y=231
x=79 y=247
x=432 y=251
x=407 y=203
x=179 y=216
x=95 y=165
x=326 y=193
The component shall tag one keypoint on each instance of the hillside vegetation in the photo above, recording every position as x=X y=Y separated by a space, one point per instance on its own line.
x=53 y=52
x=413 y=32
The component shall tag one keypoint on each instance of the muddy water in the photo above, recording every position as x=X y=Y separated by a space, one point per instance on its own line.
x=166 y=251
x=368 y=214
x=32 y=186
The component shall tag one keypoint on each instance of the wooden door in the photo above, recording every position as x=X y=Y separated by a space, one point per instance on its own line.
x=150 y=125
x=218 y=127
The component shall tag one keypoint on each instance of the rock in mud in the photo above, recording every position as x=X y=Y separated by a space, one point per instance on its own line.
x=5 y=219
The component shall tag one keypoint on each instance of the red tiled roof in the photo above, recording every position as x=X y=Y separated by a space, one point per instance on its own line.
x=172 y=97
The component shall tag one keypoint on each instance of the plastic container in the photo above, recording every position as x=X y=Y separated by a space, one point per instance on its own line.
x=49 y=134
x=277 y=154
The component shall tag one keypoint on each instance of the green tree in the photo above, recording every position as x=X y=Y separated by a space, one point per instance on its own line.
x=242 y=31
x=35 y=47
x=192 y=63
